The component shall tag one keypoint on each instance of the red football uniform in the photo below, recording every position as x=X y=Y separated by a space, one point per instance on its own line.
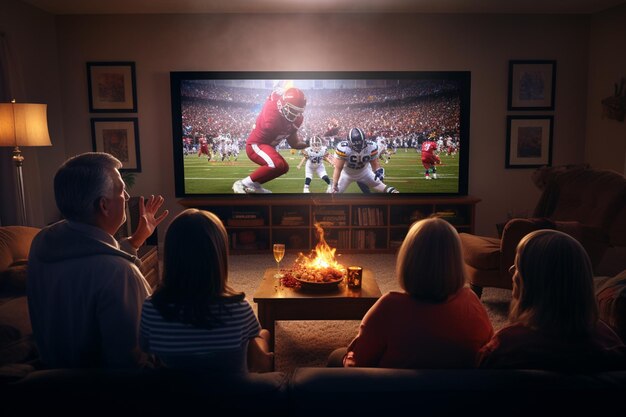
x=428 y=154
x=270 y=129
x=204 y=147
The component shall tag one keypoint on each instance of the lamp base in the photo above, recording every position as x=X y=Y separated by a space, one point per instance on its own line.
x=18 y=159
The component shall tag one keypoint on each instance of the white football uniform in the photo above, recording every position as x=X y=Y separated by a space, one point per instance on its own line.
x=235 y=149
x=357 y=166
x=315 y=162
x=383 y=153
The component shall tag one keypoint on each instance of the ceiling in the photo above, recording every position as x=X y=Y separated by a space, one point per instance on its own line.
x=64 y=7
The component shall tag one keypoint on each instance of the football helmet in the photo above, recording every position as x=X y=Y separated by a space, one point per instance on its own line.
x=316 y=143
x=356 y=139
x=291 y=104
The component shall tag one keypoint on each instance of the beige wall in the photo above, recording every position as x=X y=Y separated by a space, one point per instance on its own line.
x=482 y=44
x=606 y=144
x=31 y=36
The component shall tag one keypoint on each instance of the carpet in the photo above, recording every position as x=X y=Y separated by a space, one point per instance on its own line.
x=308 y=343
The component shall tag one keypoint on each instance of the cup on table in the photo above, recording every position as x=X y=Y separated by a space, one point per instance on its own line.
x=355 y=276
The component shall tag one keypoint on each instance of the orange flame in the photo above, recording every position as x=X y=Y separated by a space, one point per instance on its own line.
x=322 y=257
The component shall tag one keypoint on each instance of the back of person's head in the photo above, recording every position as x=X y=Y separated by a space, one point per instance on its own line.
x=430 y=263
x=81 y=181
x=195 y=256
x=555 y=290
x=195 y=269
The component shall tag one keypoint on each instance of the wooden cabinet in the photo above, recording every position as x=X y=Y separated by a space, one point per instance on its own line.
x=350 y=225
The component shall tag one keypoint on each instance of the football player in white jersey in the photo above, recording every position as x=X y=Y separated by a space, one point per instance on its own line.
x=357 y=160
x=225 y=144
x=235 y=148
x=383 y=153
x=315 y=155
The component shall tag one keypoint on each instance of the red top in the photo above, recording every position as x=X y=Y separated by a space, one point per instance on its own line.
x=428 y=147
x=271 y=127
x=519 y=347
x=400 y=331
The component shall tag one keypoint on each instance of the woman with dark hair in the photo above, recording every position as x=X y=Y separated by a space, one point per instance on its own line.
x=195 y=319
x=553 y=315
x=436 y=322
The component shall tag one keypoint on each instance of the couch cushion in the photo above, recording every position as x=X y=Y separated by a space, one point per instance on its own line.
x=611 y=295
x=403 y=392
x=589 y=196
x=153 y=392
x=16 y=340
x=481 y=252
x=13 y=279
x=15 y=244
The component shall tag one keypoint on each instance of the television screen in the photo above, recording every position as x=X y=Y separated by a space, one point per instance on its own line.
x=299 y=133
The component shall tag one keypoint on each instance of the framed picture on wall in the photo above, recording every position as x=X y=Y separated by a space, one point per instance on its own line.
x=532 y=85
x=120 y=138
x=111 y=87
x=529 y=141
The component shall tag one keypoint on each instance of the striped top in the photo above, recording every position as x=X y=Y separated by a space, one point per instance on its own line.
x=173 y=338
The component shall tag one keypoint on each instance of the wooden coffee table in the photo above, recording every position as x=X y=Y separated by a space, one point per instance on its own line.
x=276 y=302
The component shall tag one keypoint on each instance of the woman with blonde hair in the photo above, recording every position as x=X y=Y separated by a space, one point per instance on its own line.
x=194 y=319
x=553 y=317
x=436 y=322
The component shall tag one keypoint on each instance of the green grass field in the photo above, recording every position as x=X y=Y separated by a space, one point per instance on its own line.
x=404 y=171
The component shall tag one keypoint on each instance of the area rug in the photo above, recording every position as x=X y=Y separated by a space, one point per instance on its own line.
x=308 y=343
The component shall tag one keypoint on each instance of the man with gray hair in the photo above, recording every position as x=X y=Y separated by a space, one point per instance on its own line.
x=85 y=290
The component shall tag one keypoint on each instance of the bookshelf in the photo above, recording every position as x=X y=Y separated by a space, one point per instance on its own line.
x=350 y=224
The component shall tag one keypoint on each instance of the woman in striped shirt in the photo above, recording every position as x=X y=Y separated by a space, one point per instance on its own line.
x=194 y=319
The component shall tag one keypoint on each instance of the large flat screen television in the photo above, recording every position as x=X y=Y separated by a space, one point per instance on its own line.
x=214 y=113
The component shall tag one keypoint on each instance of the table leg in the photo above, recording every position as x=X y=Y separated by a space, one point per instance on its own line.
x=267 y=321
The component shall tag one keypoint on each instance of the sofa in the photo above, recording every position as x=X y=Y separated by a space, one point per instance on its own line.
x=315 y=392
x=17 y=345
x=26 y=389
x=589 y=204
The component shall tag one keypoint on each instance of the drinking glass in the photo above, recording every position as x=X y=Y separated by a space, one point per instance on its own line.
x=279 y=253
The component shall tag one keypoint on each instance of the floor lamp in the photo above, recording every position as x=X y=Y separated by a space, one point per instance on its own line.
x=23 y=124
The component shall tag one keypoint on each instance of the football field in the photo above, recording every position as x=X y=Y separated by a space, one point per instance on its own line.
x=404 y=171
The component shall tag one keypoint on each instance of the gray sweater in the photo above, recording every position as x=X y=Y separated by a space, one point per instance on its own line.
x=84 y=296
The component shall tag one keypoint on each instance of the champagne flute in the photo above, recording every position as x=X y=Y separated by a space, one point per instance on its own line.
x=279 y=253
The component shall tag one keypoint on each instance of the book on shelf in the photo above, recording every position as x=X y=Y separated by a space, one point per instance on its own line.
x=245 y=214
x=334 y=220
x=292 y=218
x=369 y=216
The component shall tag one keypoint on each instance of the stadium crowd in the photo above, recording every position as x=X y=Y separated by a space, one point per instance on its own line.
x=406 y=114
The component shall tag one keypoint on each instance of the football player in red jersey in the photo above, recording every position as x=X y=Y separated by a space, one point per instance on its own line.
x=204 y=148
x=430 y=158
x=279 y=119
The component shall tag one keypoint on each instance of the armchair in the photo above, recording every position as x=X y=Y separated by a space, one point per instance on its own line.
x=586 y=203
x=14 y=247
x=16 y=343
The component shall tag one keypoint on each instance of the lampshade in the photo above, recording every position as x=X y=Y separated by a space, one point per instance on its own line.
x=24 y=124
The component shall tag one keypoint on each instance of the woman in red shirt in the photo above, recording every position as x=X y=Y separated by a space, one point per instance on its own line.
x=553 y=317
x=436 y=322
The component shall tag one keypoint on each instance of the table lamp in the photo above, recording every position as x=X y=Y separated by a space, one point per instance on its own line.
x=23 y=124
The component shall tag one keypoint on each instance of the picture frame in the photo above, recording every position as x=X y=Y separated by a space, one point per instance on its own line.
x=529 y=141
x=120 y=138
x=532 y=84
x=112 y=87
